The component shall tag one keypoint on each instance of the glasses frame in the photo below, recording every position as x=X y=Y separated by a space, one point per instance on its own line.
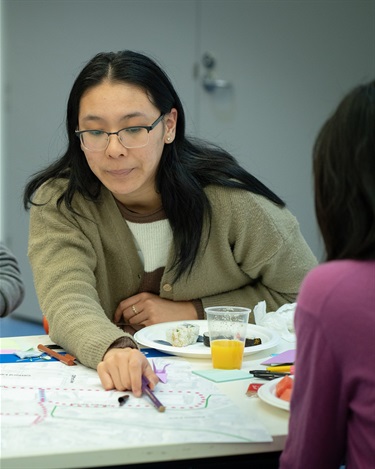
x=79 y=133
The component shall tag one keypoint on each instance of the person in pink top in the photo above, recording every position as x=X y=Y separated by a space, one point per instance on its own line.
x=332 y=414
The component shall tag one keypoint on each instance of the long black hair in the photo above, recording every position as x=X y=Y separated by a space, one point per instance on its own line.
x=344 y=177
x=187 y=165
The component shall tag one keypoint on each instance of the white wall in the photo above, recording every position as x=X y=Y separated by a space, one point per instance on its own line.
x=290 y=62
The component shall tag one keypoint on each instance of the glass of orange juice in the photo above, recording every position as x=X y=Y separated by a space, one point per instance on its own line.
x=227 y=327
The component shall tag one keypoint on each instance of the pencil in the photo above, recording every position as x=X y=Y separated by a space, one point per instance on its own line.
x=159 y=406
x=66 y=359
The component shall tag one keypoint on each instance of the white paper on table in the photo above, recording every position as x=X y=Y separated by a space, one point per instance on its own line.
x=46 y=406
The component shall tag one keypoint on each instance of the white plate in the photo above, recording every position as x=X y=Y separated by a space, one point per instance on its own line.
x=149 y=334
x=267 y=393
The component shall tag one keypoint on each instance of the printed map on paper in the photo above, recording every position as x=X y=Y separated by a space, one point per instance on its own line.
x=46 y=406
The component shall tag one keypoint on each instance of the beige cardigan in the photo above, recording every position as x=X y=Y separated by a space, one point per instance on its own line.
x=83 y=266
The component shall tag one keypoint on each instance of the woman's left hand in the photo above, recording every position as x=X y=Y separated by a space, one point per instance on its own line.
x=145 y=309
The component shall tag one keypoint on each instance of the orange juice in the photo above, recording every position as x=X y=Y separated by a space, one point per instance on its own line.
x=227 y=354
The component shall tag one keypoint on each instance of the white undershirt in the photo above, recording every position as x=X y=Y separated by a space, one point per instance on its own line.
x=153 y=241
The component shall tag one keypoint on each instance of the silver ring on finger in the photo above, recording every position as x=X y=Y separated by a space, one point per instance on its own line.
x=134 y=310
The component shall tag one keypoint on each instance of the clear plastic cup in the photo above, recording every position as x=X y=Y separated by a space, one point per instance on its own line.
x=227 y=327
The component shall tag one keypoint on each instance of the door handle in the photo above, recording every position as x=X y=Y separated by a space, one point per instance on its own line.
x=210 y=82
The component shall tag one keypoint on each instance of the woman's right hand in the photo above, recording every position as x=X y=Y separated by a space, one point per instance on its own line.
x=122 y=369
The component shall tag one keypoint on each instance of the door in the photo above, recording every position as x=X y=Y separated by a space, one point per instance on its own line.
x=281 y=67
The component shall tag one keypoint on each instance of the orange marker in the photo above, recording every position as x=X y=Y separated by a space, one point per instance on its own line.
x=66 y=359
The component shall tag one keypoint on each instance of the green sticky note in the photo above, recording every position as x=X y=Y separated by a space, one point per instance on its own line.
x=222 y=375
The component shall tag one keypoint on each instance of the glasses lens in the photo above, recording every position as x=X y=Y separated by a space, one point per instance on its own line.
x=134 y=137
x=94 y=140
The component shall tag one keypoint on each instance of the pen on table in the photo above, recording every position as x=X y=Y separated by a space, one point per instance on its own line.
x=159 y=406
x=269 y=375
x=67 y=359
x=122 y=399
x=281 y=368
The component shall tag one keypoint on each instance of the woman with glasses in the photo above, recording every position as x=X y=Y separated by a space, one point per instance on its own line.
x=136 y=224
x=333 y=400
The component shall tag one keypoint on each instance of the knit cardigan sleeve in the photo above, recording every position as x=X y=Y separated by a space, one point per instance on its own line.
x=12 y=290
x=66 y=253
x=256 y=252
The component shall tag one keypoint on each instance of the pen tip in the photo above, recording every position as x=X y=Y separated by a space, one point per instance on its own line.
x=161 y=408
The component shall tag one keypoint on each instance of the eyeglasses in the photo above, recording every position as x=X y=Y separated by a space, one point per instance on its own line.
x=129 y=137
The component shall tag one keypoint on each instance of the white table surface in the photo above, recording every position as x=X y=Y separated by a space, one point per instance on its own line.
x=274 y=419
